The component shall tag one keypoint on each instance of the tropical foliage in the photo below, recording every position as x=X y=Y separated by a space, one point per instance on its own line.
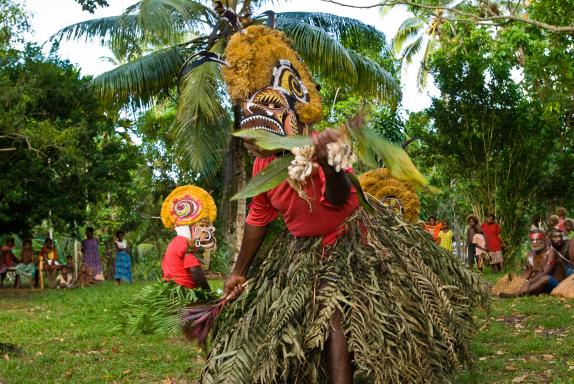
x=174 y=31
x=496 y=141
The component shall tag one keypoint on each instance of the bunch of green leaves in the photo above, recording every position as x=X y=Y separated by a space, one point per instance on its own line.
x=157 y=308
x=370 y=146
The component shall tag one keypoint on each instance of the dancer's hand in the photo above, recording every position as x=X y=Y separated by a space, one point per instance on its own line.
x=234 y=285
x=320 y=141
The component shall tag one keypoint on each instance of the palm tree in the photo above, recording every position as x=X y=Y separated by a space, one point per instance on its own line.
x=423 y=31
x=171 y=31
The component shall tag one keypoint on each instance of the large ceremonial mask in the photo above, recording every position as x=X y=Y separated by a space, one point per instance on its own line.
x=269 y=80
x=191 y=211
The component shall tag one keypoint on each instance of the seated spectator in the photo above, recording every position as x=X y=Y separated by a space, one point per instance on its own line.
x=543 y=272
x=561 y=213
x=445 y=236
x=7 y=261
x=64 y=279
x=480 y=248
x=49 y=258
x=560 y=245
x=27 y=266
x=70 y=264
x=568 y=229
x=552 y=221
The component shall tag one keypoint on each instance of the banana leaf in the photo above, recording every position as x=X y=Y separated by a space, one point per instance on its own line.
x=269 y=178
x=271 y=141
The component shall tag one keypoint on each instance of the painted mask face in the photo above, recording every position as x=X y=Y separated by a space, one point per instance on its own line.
x=203 y=234
x=273 y=108
x=537 y=241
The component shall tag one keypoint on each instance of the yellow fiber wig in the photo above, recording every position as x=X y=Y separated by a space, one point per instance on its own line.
x=187 y=205
x=380 y=184
x=252 y=57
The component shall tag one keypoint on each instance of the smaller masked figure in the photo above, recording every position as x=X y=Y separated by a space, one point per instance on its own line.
x=189 y=210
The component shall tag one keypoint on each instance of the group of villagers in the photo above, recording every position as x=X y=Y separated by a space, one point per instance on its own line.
x=549 y=264
x=349 y=291
x=48 y=265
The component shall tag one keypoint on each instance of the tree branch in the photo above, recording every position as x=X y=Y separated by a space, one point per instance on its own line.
x=482 y=20
x=17 y=136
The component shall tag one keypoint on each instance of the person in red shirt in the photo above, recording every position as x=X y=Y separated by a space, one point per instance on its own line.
x=325 y=296
x=8 y=261
x=491 y=231
x=189 y=210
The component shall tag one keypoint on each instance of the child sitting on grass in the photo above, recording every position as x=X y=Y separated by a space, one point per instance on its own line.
x=64 y=279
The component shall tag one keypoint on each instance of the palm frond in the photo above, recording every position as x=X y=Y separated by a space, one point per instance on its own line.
x=153 y=21
x=414 y=48
x=373 y=79
x=344 y=29
x=102 y=29
x=322 y=52
x=422 y=76
x=170 y=16
x=203 y=124
x=141 y=78
x=410 y=28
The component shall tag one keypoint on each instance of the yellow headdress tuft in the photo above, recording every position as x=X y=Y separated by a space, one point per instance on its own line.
x=253 y=55
x=187 y=205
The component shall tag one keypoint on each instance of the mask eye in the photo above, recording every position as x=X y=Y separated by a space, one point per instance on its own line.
x=286 y=77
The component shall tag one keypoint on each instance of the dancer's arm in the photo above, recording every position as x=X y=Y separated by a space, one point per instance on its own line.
x=253 y=236
x=337 y=186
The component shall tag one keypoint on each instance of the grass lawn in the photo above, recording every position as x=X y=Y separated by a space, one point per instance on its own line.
x=69 y=337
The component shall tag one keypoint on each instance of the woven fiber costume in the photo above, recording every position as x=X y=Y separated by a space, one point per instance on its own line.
x=190 y=211
x=405 y=304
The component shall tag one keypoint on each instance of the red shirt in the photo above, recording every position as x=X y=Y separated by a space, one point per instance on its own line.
x=176 y=261
x=8 y=256
x=321 y=219
x=492 y=235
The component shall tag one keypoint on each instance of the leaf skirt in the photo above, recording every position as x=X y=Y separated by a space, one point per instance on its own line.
x=406 y=308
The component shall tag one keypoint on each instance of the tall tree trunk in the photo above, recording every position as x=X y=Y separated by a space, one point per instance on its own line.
x=234 y=178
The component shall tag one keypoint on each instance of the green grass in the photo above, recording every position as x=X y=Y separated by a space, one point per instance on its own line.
x=69 y=337
x=528 y=339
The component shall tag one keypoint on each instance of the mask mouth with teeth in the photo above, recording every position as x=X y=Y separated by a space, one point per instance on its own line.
x=273 y=108
x=203 y=234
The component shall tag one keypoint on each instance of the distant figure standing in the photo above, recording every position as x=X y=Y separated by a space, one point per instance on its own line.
x=491 y=231
x=481 y=251
x=123 y=262
x=471 y=230
x=433 y=227
x=49 y=259
x=445 y=236
x=91 y=253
